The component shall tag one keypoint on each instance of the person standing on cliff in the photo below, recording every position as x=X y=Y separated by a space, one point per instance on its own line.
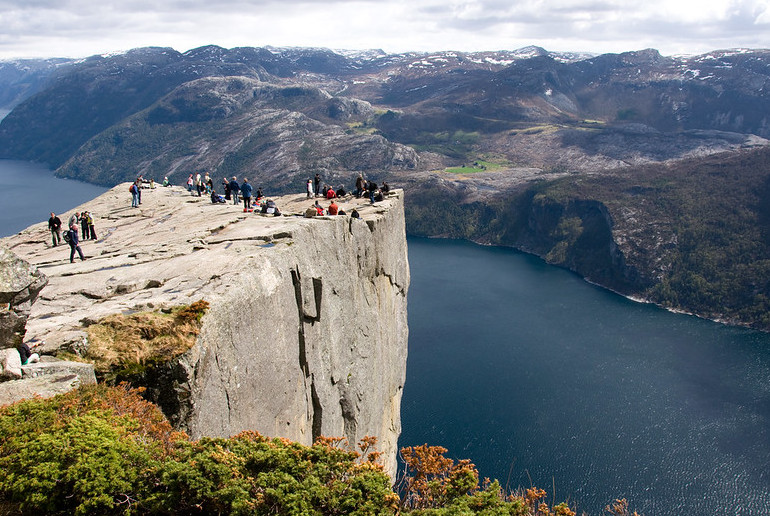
x=91 y=229
x=309 y=187
x=134 y=189
x=317 y=182
x=234 y=189
x=246 y=194
x=84 y=225
x=54 y=225
x=74 y=242
x=226 y=188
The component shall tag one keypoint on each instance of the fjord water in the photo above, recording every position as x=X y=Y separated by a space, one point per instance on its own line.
x=29 y=192
x=542 y=379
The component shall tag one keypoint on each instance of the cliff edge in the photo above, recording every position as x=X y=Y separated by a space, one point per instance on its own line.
x=306 y=334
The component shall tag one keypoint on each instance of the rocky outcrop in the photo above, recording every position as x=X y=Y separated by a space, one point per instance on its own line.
x=20 y=284
x=306 y=334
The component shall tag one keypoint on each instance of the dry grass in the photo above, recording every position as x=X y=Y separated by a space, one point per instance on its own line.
x=144 y=338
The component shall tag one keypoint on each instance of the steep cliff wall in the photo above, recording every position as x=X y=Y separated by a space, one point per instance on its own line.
x=306 y=334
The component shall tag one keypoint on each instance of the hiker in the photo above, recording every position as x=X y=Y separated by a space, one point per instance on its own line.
x=259 y=195
x=309 y=185
x=91 y=230
x=74 y=242
x=208 y=184
x=330 y=193
x=318 y=208
x=84 y=225
x=317 y=181
x=235 y=188
x=216 y=198
x=385 y=187
x=134 y=189
x=139 y=186
x=190 y=183
x=341 y=191
x=73 y=220
x=54 y=225
x=226 y=187
x=333 y=208
x=246 y=194
x=198 y=184
x=26 y=355
x=359 y=186
x=372 y=190
x=166 y=182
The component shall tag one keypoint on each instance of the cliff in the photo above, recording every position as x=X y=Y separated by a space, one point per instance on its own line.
x=306 y=334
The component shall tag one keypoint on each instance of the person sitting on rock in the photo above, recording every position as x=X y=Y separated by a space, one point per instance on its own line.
x=319 y=209
x=216 y=198
x=330 y=193
x=341 y=191
x=333 y=208
x=26 y=355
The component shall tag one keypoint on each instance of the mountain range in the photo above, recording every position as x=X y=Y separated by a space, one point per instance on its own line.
x=601 y=164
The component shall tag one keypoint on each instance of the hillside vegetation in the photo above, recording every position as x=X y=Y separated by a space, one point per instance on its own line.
x=692 y=235
x=104 y=450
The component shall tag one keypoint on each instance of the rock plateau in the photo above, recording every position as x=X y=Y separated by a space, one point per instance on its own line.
x=306 y=334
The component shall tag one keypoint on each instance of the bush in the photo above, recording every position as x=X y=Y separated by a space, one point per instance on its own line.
x=105 y=450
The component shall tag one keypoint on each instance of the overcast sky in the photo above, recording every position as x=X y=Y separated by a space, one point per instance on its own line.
x=80 y=28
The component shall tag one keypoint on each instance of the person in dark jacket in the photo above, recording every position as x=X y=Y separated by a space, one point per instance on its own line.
x=226 y=187
x=234 y=189
x=246 y=194
x=54 y=225
x=74 y=242
x=84 y=225
x=317 y=182
x=26 y=355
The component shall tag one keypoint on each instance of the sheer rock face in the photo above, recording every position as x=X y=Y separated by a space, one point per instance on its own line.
x=306 y=334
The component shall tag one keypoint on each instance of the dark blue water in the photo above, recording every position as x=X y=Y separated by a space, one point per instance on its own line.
x=30 y=192
x=542 y=379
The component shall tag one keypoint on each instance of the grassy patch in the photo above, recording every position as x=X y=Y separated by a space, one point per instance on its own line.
x=127 y=343
x=479 y=166
x=360 y=128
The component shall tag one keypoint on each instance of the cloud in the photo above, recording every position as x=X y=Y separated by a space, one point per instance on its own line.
x=79 y=28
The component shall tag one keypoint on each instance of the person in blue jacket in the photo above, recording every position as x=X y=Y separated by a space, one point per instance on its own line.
x=234 y=189
x=74 y=243
x=246 y=194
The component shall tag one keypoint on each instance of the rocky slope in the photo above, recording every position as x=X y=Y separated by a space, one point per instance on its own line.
x=306 y=334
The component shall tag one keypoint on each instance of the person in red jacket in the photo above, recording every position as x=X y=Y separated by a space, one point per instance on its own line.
x=333 y=208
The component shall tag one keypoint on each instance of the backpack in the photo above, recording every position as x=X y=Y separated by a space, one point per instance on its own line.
x=132 y=188
x=67 y=237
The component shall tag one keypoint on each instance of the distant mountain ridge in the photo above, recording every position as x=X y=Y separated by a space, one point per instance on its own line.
x=569 y=156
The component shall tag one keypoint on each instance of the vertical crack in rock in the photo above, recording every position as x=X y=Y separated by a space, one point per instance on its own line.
x=296 y=279
x=317 y=412
x=220 y=367
x=314 y=408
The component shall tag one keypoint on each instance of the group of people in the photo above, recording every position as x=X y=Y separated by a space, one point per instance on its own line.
x=363 y=188
x=86 y=221
x=234 y=191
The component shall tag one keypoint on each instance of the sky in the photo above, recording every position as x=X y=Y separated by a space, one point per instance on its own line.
x=81 y=28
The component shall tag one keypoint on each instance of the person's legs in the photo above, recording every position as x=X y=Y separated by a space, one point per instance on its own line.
x=72 y=253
